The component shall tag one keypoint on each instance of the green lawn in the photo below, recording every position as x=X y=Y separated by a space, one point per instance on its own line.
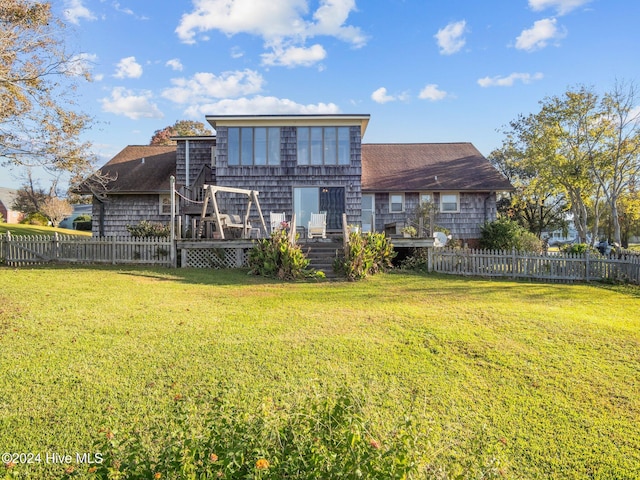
x=523 y=380
x=19 y=229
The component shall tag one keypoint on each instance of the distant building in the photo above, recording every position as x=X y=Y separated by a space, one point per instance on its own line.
x=7 y=199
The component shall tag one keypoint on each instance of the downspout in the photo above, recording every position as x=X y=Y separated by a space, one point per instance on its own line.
x=100 y=216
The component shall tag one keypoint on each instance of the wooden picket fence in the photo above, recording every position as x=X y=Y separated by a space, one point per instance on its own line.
x=624 y=267
x=22 y=250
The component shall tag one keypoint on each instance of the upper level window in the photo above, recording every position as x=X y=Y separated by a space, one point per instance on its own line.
x=253 y=145
x=449 y=202
x=165 y=204
x=425 y=198
x=323 y=146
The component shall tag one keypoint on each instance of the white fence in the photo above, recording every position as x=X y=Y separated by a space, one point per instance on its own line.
x=20 y=250
x=550 y=267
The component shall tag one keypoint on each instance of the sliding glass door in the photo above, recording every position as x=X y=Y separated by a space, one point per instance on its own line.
x=308 y=200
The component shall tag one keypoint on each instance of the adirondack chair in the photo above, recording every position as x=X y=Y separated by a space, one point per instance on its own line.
x=318 y=225
x=276 y=220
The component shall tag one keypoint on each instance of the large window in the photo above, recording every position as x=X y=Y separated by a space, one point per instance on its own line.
x=323 y=146
x=449 y=202
x=254 y=145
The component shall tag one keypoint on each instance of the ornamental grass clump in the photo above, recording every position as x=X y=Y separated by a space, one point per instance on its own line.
x=367 y=255
x=278 y=257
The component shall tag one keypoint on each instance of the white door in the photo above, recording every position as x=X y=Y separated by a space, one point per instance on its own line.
x=368 y=212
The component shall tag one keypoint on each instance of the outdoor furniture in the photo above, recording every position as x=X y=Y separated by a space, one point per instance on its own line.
x=317 y=225
x=276 y=220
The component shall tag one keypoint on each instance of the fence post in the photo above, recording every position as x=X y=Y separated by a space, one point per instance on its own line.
x=113 y=250
x=513 y=263
x=56 y=247
x=586 y=266
x=430 y=259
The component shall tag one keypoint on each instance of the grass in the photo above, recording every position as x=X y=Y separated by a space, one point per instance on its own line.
x=19 y=229
x=540 y=379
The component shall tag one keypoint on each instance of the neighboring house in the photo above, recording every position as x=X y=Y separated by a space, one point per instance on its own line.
x=78 y=210
x=7 y=198
x=303 y=164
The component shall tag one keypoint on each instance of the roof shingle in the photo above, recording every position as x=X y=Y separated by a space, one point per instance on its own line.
x=428 y=167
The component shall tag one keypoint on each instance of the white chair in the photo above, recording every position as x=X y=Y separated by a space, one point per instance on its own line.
x=318 y=225
x=276 y=220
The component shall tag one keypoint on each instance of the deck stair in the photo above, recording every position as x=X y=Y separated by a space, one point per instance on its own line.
x=322 y=254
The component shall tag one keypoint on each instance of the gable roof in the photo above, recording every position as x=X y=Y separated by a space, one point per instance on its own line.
x=414 y=167
x=141 y=169
x=7 y=197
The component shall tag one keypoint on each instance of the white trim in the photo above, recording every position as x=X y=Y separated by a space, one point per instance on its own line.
x=440 y=202
x=161 y=204
x=289 y=121
x=391 y=194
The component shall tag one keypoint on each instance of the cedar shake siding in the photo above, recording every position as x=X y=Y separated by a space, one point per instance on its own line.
x=201 y=154
x=276 y=182
x=434 y=169
x=142 y=174
x=122 y=210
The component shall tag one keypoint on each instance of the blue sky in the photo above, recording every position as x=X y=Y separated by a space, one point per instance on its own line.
x=426 y=70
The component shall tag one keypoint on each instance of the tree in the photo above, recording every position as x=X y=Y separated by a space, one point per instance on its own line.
x=31 y=197
x=615 y=160
x=180 y=128
x=583 y=146
x=534 y=205
x=39 y=121
x=56 y=209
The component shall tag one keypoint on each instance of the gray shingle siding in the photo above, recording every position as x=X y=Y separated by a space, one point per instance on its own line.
x=276 y=183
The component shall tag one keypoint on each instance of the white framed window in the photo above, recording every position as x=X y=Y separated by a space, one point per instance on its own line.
x=165 y=204
x=396 y=202
x=450 y=202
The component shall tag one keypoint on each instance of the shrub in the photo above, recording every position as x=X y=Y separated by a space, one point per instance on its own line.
x=578 y=249
x=367 y=255
x=82 y=223
x=276 y=257
x=35 y=218
x=146 y=229
x=505 y=234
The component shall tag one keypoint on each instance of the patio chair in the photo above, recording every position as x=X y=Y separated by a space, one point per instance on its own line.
x=317 y=225
x=276 y=220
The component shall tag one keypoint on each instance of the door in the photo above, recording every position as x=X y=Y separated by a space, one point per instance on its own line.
x=368 y=212
x=308 y=200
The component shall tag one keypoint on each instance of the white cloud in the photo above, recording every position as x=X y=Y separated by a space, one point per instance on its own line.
x=74 y=10
x=80 y=64
x=561 y=6
x=203 y=87
x=539 y=36
x=259 y=105
x=451 y=38
x=128 y=68
x=294 y=56
x=510 y=80
x=432 y=92
x=282 y=22
x=125 y=102
x=175 y=64
x=380 y=96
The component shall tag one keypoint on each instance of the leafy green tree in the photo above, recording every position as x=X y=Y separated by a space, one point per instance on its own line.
x=180 y=128
x=40 y=124
x=580 y=146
